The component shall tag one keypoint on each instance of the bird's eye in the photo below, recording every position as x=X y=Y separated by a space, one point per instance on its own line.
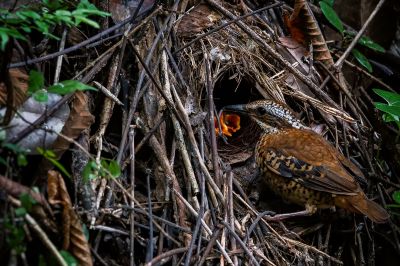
x=261 y=111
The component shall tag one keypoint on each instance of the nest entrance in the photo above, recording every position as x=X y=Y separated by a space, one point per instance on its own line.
x=227 y=91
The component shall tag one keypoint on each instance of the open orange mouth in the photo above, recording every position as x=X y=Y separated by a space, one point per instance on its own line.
x=230 y=123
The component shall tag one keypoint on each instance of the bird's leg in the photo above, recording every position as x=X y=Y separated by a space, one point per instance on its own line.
x=310 y=210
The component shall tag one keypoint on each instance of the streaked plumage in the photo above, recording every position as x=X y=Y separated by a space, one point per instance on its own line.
x=302 y=167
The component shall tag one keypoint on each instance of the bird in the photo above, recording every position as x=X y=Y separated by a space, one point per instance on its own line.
x=302 y=167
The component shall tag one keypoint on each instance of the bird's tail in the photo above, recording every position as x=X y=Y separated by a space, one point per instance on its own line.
x=361 y=204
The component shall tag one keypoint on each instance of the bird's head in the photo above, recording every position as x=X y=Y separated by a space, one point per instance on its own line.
x=268 y=114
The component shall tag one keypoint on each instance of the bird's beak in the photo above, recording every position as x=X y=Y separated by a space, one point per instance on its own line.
x=238 y=108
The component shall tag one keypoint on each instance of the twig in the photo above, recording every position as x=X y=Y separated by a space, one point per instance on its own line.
x=275 y=54
x=60 y=58
x=164 y=255
x=107 y=93
x=132 y=179
x=224 y=25
x=84 y=43
x=41 y=234
x=211 y=107
x=339 y=63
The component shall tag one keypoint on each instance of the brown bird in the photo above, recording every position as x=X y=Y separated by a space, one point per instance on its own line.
x=302 y=167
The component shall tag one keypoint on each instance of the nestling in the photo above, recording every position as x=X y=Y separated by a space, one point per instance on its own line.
x=302 y=167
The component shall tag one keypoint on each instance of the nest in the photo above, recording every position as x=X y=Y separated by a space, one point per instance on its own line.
x=185 y=195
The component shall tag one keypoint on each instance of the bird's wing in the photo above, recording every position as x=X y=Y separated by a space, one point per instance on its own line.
x=308 y=159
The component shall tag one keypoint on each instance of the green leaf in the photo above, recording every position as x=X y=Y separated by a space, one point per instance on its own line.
x=13 y=147
x=36 y=81
x=390 y=109
x=41 y=96
x=396 y=196
x=69 y=259
x=87 y=172
x=114 y=169
x=21 y=160
x=3 y=162
x=391 y=97
x=3 y=134
x=69 y=86
x=24 y=14
x=331 y=16
x=329 y=2
x=79 y=19
x=64 y=16
x=43 y=27
x=367 y=42
x=50 y=155
x=6 y=33
x=362 y=59
x=4 y=40
x=27 y=201
x=19 y=212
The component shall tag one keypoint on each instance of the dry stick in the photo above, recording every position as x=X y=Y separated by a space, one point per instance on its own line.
x=206 y=227
x=198 y=221
x=60 y=58
x=107 y=93
x=201 y=36
x=164 y=221
x=41 y=234
x=85 y=79
x=339 y=63
x=108 y=107
x=231 y=215
x=149 y=134
x=84 y=43
x=150 y=248
x=164 y=255
x=210 y=92
x=369 y=75
x=225 y=218
x=195 y=147
x=285 y=239
x=353 y=105
x=275 y=54
x=243 y=245
x=180 y=140
x=177 y=127
x=132 y=177
x=144 y=210
x=210 y=244
x=138 y=90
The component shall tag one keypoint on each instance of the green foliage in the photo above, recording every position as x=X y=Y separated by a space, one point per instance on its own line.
x=329 y=2
x=105 y=169
x=51 y=156
x=42 y=19
x=391 y=108
x=18 y=151
x=362 y=59
x=69 y=86
x=366 y=42
x=69 y=259
x=331 y=15
x=14 y=235
x=39 y=93
x=333 y=18
x=396 y=196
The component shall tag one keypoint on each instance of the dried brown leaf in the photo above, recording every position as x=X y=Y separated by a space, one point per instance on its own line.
x=200 y=18
x=19 y=81
x=79 y=119
x=74 y=238
x=304 y=29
